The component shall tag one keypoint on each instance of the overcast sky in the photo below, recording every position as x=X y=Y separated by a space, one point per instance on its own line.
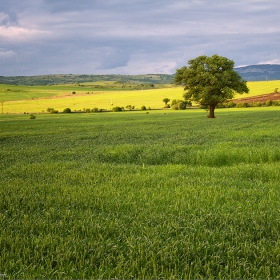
x=133 y=36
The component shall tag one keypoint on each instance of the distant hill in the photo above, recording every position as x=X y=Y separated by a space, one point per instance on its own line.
x=75 y=79
x=261 y=72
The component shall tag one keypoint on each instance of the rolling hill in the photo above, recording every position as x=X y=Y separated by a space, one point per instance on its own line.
x=260 y=72
x=75 y=79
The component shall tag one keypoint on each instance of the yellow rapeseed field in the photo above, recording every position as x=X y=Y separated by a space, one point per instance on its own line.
x=36 y=99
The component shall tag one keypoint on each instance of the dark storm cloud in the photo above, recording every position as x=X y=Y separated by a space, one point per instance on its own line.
x=130 y=37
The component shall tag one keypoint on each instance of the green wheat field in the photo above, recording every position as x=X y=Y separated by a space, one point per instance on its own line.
x=137 y=195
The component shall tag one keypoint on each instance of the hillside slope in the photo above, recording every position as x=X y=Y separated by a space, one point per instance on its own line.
x=249 y=73
x=74 y=79
x=260 y=72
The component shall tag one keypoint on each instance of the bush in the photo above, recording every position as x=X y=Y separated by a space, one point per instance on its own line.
x=182 y=105
x=94 y=110
x=87 y=110
x=257 y=104
x=32 y=117
x=73 y=92
x=54 y=111
x=175 y=107
x=268 y=103
x=231 y=104
x=243 y=105
x=67 y=110
x=117 y=109
x=50 y=109
x=276 y=103
x=178 y=104
x=203 y=107
x=143 y=108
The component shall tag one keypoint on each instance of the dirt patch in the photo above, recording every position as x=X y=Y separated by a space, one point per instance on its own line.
x=258 y=98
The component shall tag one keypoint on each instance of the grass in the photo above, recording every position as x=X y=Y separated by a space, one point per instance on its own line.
x=103 y=95
x=135 y=195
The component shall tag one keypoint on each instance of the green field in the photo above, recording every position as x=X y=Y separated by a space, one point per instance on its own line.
x=102 y=95
x=141 y=196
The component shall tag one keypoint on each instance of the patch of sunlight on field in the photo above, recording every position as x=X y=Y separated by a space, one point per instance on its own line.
x=35 y=99
x=100 y=99
x=258 y=88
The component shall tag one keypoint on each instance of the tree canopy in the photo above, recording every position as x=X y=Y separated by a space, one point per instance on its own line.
x=210 y=81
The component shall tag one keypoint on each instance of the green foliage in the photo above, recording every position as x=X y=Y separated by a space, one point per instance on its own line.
x=94 y=110
x=242 y=105
x=117 y=109
x=32 y=116
x=130 y=107
x=205 y=107
x=175 y=107
x=166 y=100
x=143 y=108
x=52 y=110
x=269 y=103
x=73 y=92
x=210 y=81
x=178 y=104
x=67 y=111
x=231 y=104
x=257 y=104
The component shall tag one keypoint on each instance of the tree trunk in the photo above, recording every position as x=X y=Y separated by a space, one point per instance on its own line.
x=211 y=111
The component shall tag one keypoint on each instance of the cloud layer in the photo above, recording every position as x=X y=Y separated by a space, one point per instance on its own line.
x=133 y=37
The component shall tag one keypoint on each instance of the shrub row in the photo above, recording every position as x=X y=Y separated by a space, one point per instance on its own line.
x=68 y=110
x=178 y=104
x=232 y=104
x=129 y=107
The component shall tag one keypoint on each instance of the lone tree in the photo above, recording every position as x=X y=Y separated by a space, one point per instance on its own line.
x=165 y=100
x=210 y=81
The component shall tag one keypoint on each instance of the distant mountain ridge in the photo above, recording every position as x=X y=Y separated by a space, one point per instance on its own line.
x=259 y=72
x=76 y=78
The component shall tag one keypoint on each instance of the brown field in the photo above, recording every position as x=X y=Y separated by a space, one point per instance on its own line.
x=258 y=98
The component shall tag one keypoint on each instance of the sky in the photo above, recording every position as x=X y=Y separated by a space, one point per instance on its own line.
x=39 y=37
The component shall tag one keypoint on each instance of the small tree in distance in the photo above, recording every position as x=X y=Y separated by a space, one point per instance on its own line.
x=165 y=100
x=210 y=81
x=117 y=109
x=67 y=111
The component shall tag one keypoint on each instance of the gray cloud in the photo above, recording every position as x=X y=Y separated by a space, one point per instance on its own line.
x=130 y=37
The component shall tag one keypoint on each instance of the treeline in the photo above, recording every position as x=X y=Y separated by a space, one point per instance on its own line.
x=75 y=79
